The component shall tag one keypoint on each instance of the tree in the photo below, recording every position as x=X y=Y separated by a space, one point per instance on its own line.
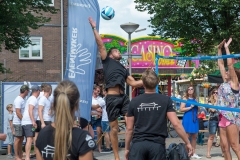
x=18 y=17
x=4 y=70
x=198 y=25
x=207 y=21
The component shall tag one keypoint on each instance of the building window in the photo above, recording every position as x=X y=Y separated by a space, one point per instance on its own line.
x=32 y=52
x=52 y=3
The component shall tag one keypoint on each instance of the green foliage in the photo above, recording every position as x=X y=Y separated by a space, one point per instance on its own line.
x=18 y=17
x=210 y=21
x=115 y=43
x=3 y=69
x=200 y=24
x=206 y=67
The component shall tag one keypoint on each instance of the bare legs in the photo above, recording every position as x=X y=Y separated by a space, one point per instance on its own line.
x=28 y=147
x=107 y=140
x=34 y=141
x=114 y=138
x=229 y=136
x=233 y=138
x=99 y=135
x=209 y=144
x=18 y=148
x=225 y=144
x=9 y=148
x=193 y=141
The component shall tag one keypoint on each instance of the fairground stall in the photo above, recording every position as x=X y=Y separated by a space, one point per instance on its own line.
x=146 y=48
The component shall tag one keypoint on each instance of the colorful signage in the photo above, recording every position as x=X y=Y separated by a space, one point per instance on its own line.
x=148 y=47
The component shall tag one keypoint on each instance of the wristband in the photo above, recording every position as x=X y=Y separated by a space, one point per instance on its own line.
x=94 y=28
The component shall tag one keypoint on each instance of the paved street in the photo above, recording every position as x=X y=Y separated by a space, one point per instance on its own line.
x=201 y=151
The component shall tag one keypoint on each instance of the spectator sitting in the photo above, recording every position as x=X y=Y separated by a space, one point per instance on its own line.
x=201 y=116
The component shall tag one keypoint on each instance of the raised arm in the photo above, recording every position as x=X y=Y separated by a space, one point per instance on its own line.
x=101 y=47
x=220 y=61
x=231 y=70
x=132 y=82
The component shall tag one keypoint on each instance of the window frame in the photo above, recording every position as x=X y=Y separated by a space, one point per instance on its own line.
x=30 y=50
x=52 y=5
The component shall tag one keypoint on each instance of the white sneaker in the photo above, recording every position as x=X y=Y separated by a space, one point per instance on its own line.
x=196 y=156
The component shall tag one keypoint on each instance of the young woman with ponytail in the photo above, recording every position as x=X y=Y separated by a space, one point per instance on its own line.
x=61 y=140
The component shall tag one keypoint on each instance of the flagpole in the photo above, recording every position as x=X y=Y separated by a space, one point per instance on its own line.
x=61 y=39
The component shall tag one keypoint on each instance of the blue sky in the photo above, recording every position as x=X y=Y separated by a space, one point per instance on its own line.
x=124 y=12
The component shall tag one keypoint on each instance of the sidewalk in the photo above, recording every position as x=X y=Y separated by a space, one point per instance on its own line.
x=201 y=151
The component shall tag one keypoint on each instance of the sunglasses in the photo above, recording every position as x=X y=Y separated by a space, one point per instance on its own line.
x=190 y=89
x=215 y=92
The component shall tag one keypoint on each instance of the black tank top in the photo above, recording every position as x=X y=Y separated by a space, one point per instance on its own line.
x=114 y=73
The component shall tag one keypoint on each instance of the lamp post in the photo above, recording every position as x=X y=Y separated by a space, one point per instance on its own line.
x=129 y=28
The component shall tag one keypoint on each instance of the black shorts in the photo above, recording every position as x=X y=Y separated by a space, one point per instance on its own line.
x=28 y=130
x=116 y=105
x=147 y=150
x=38 y=122
x=96 y=122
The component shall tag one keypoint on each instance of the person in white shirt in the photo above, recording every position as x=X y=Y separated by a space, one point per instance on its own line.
x=18 y=108
x=44 y=86
x=105 y=125
x=97 y=104
x=29 y=119
x=44 y=107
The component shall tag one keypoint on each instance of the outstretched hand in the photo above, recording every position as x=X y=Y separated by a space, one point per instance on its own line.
x=228 y=43
x=189 y=149
x=221 y=44
x=92 y=23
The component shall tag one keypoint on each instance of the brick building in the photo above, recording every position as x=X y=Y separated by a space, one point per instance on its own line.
x=42 y=62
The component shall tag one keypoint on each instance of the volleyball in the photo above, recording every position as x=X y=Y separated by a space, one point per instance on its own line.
x=107 y=13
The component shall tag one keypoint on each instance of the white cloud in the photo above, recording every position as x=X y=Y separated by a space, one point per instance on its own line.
x=124 y=12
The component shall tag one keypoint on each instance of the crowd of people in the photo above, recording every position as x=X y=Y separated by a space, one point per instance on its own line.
x=220 y=122
x=52 y=123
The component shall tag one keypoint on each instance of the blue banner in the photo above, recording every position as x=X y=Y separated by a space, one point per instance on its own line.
x=207 y=105
x=82 y=50
x=201 y=57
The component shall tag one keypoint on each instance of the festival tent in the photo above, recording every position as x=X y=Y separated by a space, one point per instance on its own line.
x=216 y=76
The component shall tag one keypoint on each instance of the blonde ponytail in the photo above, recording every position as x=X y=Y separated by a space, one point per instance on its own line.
x=66 y=99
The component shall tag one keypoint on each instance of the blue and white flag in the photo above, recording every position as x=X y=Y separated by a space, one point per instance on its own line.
x=82 y=50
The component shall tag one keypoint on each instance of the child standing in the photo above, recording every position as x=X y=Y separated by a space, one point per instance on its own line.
x=10 y=130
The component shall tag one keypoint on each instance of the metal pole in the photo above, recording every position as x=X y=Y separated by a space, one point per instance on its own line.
x=5 y=74
x=198 y=90
x=61 y=39
x=205 y=95
x=173 y=86
x=156 y=68
x=130 y=63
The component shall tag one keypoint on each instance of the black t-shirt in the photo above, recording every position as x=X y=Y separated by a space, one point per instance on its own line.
x=82 y=143
x=114 y=73
x=150 y=122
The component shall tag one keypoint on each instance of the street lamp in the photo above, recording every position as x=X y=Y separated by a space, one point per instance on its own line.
x=129 y=28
